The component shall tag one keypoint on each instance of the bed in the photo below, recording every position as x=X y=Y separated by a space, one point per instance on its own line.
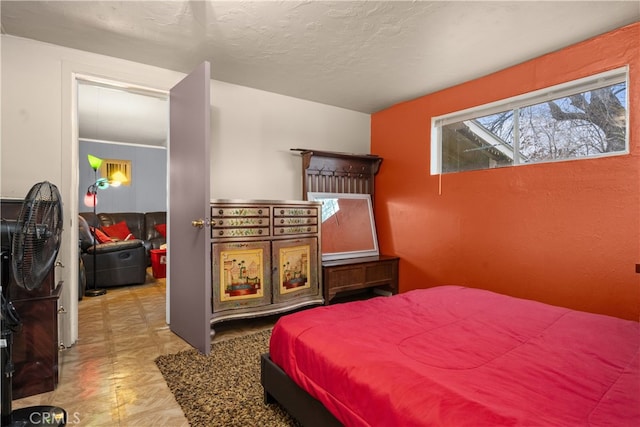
x=454 y=356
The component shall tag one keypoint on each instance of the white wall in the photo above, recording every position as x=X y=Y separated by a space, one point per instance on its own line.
x=252 y=133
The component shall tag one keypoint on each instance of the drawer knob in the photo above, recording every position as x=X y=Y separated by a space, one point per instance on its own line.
x=220 y=212
x=220 y=232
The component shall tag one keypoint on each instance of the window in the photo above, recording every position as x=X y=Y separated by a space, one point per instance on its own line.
x=330 y=207
x=581 y=119
x=122 y=168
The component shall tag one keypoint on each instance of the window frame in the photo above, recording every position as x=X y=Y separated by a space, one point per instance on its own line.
x=585 y=84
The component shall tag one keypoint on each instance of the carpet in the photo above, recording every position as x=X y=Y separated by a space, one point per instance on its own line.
x=223 y=389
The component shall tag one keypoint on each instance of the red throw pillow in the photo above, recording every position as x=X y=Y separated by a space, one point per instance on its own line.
x=100 y=236
x=119 y=231
x=162 y=229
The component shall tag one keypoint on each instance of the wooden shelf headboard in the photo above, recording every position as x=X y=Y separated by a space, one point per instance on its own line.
x=334 y=172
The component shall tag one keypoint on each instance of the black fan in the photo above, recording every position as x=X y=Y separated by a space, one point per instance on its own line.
x=35 y=240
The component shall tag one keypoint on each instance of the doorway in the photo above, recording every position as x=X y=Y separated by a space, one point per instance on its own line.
x=117 y=121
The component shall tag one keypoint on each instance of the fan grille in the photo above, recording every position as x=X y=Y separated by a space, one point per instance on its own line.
x=37 y=238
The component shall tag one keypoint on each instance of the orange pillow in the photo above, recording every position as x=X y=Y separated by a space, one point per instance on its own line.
x=100 y=236
x=119 y=231
x=161 y=228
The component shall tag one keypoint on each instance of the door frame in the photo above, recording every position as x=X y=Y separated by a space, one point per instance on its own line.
x=70 y=181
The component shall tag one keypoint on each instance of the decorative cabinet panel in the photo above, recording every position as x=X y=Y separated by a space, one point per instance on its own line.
x=295 y=269
x=239 y=268
x=265 y=257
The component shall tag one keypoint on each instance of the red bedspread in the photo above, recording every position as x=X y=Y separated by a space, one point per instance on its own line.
x=455 y=356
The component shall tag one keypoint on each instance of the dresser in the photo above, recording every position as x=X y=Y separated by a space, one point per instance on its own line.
x=265 y=257
x=35 y=346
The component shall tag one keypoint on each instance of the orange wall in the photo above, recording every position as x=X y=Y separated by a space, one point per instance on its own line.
x=565 y=233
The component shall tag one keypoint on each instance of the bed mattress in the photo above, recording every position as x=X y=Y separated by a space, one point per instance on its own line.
x=457 y=356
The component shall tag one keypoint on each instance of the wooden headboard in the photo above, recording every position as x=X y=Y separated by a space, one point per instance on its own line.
x=333 y=172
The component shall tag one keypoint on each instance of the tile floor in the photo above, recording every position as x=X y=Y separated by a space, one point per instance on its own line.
x=109 y=378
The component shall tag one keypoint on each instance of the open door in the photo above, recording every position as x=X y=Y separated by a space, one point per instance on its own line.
x=188 y=240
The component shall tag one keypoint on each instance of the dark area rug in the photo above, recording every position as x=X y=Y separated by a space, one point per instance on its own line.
x=223 y=389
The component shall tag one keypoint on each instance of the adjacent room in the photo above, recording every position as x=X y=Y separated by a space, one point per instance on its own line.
x=361 y=213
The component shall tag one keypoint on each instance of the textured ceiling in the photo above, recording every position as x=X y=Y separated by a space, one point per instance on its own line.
x=363 y=56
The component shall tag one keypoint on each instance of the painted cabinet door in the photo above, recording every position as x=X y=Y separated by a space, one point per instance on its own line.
x=243 y=272
x=295 y=269
x=188 y=251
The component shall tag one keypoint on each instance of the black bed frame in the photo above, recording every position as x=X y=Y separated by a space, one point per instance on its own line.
x=278 y=387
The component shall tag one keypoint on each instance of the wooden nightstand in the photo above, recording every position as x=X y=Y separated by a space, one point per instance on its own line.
x=379 y=272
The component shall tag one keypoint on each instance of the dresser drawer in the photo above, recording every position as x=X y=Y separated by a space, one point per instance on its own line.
x=239 y=211
x=290 y=211
x=296 y=220
x=287 y=231
x=239 y=232
x=360 y=273
x=381 y=272
x=240 y=222
x=344 y=278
